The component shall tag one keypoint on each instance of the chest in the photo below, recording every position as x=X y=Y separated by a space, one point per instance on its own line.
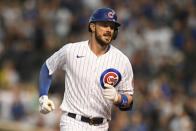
x=103 y=69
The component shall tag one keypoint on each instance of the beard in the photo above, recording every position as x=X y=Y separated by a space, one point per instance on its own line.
x=100 y=41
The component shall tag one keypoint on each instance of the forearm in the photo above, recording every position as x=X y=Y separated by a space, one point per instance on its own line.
x=130 y=98
x=124 y=102
x=44 y=80
x=46 y=105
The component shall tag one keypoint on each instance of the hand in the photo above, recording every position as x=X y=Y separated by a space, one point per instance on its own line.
x=110 y=93
x=45 y=105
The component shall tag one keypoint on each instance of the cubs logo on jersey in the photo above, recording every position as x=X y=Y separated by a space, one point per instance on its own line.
x=110 y=76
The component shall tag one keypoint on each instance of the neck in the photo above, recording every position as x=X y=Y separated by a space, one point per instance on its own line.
x=97 y=48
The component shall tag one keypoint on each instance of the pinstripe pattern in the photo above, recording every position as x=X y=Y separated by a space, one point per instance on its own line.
x=83 y=91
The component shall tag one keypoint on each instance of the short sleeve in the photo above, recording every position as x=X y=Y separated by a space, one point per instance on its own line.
x=127 y=79
x=57 y=60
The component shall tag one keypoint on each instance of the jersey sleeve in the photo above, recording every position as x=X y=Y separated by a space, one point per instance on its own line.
x=127 y=79
x=57 y=60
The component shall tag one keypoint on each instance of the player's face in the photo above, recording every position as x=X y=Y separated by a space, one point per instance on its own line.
x=104 y=32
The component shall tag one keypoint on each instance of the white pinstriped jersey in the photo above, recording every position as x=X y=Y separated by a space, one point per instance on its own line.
x=85 y=74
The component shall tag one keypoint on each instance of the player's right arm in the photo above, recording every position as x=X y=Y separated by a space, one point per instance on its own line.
x=56 y=61
x=46 y=105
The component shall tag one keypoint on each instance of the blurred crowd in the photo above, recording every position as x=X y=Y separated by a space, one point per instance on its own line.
x=159 y=37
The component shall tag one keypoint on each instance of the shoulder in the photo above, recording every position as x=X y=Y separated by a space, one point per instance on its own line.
x=124 y=61
x=119 y=53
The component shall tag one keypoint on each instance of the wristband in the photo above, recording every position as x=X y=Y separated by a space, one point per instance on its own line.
x=124 y=101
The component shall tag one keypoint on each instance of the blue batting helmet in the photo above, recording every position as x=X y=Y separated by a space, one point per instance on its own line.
x=104 y=14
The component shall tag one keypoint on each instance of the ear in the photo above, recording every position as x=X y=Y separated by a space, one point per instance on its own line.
x=92 y=27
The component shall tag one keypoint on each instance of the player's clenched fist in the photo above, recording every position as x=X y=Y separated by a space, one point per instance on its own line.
x=110 y=93
x=45 y=105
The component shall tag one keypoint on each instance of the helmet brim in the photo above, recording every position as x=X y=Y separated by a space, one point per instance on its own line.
x=116 y=24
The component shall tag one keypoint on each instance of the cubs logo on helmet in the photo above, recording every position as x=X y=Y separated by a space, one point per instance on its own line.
x=111 y=14
x=110 y=76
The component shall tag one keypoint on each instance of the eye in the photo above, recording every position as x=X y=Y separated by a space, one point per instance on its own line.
x=104 y=25
x=112 y=26
x=109 y=25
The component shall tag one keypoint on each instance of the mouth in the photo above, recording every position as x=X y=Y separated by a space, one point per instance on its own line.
x=107 y=36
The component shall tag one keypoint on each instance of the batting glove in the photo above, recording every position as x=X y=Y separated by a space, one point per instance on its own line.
x=45 y=105
x=110 y=93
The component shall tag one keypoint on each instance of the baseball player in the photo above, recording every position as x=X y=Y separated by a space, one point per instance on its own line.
x=97 y=76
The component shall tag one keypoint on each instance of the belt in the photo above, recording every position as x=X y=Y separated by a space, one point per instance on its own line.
x=91 y=121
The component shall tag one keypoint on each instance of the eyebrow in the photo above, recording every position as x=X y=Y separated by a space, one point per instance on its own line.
x=106 y=23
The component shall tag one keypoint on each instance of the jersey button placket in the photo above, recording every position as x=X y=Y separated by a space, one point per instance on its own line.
x=94 y=71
